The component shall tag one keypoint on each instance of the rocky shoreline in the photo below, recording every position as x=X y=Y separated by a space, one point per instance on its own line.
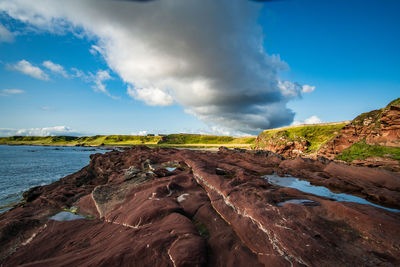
x=170 y=207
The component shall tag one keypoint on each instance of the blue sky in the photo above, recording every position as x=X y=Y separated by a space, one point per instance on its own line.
x=348 y=50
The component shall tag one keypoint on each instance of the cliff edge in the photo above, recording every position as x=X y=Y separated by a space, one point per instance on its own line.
x=372 y=139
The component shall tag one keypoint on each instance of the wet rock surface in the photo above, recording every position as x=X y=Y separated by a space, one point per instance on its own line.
x=169 y=207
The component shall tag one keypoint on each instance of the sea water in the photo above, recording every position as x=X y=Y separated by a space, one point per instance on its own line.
x=23 y=167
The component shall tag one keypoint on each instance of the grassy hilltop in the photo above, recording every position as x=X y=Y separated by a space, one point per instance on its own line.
x=314 y=135
x=172 y=140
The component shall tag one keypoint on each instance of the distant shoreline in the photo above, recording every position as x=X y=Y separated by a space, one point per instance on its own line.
x=172 y=140
x=211 y=147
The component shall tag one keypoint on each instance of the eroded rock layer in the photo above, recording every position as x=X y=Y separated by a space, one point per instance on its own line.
x=168 y=207
x=378 y=127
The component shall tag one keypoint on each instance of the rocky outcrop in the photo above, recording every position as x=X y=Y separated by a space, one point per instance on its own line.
x=285 y=147
x=168 y=207
x=369 y=132
x=378 y=127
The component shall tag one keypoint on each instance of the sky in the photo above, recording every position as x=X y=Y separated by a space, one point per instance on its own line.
x=211 y=67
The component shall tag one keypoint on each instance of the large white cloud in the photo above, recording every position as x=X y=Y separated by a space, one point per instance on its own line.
x=207 y=55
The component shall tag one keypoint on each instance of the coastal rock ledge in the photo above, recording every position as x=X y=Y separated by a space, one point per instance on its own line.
x=169 y=207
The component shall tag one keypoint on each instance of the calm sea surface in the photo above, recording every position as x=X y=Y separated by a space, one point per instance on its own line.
x=23 y=167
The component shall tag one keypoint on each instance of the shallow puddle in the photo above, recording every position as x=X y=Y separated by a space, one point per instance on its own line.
x=306 y=187
x=171 y=169
x=66 y=216
x=304 y=202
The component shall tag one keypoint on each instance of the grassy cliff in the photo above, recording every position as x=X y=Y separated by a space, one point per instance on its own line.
x=373 y=120
x=314 y=135
x=373 y=117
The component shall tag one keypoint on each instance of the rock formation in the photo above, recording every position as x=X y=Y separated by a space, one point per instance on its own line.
x=169 y=207
x=378 y=127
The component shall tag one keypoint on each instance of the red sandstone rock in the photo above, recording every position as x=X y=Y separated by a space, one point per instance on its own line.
x=381 y=127
x=213 y=210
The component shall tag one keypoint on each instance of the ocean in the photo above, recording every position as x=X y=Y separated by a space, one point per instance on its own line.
x=23 y=167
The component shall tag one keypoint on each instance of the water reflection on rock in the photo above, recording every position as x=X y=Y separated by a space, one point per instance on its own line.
x=66 y=216
x=305 y=186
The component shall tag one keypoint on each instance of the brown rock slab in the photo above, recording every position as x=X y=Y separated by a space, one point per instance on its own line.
x=214 y=209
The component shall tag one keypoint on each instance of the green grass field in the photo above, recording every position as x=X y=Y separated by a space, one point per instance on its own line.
x=361 y=150
x=173 y=140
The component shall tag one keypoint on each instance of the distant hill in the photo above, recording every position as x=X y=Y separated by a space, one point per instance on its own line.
x=174 y=140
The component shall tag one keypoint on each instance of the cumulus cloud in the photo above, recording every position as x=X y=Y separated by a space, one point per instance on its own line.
x=311 y=120
x=56 y=68
x=27 y=68
x=5 y=34
x=46 y=131
x=308 y=88
x=207 y=56
x=7 y=92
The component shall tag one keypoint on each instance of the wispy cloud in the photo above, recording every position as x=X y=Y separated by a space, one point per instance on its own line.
x=56 y=68
x=45 y=131
x=94 y=50
x=27 y=68
x=5 y=34
x=308 y=88
x=46 y=108
x=77 y=73
x=99 y=80
x=7 y=92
